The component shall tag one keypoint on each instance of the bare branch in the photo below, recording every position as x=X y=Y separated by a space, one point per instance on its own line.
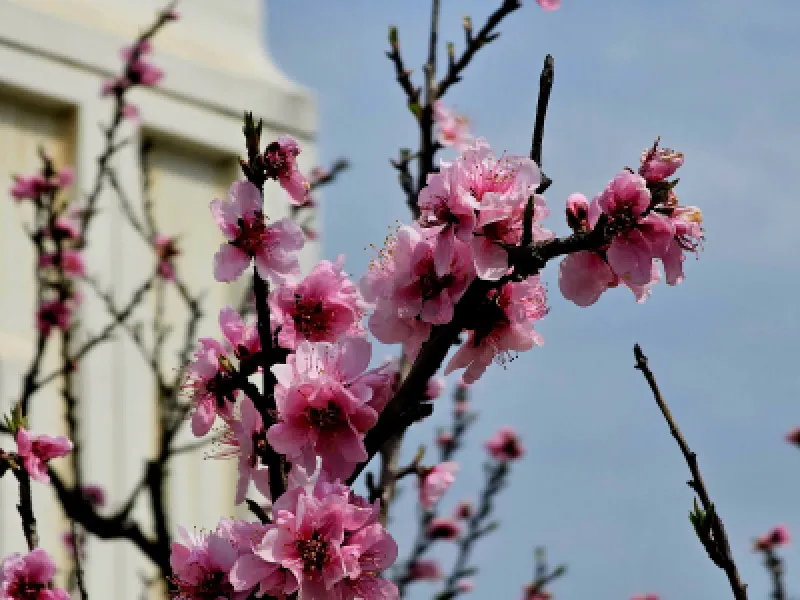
x=707 y=523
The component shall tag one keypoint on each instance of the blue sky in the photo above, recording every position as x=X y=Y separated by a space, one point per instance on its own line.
x=603 y=483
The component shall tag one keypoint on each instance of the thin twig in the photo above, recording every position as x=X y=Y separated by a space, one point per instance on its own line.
x=709 y=528
x=79 y=581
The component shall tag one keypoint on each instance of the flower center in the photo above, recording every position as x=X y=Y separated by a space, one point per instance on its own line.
x=252 y=233
x=309 y=317
x=25 y=590
x=314 y=553
x=326 y=418
x=276 y=162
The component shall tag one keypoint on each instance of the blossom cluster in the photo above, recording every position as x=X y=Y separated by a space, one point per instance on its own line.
x=472 y=209
x=324 y=542
x=57 y=238
x=647 y=224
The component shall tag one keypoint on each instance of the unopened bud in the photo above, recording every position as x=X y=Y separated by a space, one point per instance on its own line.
x=578 y=212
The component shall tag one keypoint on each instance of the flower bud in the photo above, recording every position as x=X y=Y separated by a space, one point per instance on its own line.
x=578 y=212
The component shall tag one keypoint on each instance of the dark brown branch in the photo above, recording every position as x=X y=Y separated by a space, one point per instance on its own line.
x=485 y=36
x=117 y=526
x=403 y=74
x=76 y=557
x=25 y=508
x=774 y=566
x=406 y=406
x=707 y=523
x=545 y=87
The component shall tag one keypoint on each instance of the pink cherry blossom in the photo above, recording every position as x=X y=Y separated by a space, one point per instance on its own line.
x=71 y=261
x=412 y=287
x=659 y=163
x=648 y=596
x=513 y=177
x=53 y=313
x=687 y=222
x=241 y=339
x=505 y=445
x=322 y=409
x=308 y=543
x=280 y=163
x=584 y=276
x=465 y=586
x=435 y=387
x=206 y=375
x=641 y=236
x=453 y=128
x=778 y=536
x=549 y=4
x=139 y=70
x=367 y=553
x=444 y=528
x=166 y=249
x=321 y=308
x=201 y=565
x=30 y=187
x=29 y=577
x=246 y=438
x=509 y=329
x=435 y=482
x=36 y=451
x=241 y=221
x=532 y=592
x=445 y=203
x=425 y=570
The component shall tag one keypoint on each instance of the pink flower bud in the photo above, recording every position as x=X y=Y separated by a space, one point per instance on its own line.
x=425 y=570
x=659 y=163
x=443 y=528
x=434 y=388
x=505 y=446
x=777 y=537
x=465 y=586
x=578 y=212
x=435 y=482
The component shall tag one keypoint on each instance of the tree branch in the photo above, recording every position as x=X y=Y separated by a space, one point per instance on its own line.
x=707 y=523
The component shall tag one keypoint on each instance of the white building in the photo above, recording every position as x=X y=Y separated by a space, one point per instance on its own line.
x=54 y=56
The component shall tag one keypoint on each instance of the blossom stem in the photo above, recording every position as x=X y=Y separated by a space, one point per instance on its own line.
x=775 y=567
x=25 y=508
x=716 y=540
x=79 y=580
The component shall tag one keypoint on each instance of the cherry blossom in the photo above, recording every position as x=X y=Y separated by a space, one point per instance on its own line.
x=246 y=438
x=36 y=450
x=453 y=128
x=435 y=481
x=322 y=410
x=241 y=221
x=201 y=564
x=778 y=536
x=508 y=328
x=166 y=249
x=205 y=382
x=280 y=163
x=505 y=445
x=321 y=308
x=29 y=577
x=549 y=4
